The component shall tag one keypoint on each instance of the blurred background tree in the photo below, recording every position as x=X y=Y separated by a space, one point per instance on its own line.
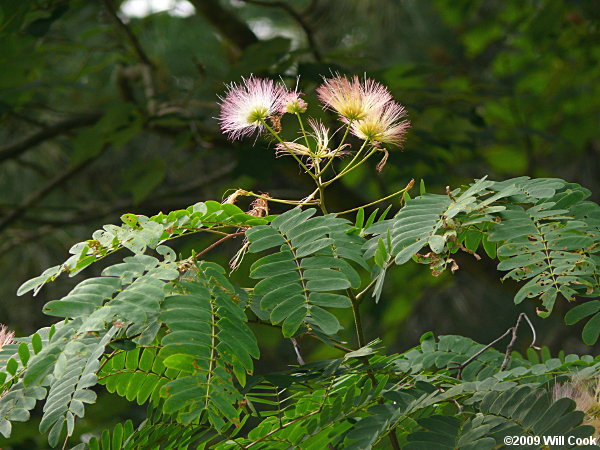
x=108 y=107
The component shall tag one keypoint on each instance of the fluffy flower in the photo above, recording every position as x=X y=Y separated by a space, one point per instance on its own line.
x=353 y=99
x=247 y=105
x=292 y=103
x=321 y=150
x=386 y=125
x=6 y=337
x=321 y=136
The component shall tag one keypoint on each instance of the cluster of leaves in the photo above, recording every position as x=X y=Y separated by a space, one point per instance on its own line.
x=173 y=334
x=543 y=231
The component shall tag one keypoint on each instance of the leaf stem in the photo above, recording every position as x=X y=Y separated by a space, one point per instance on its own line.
x=372 y=283
x=275 y=200
x=303 y=131
x=407 y=188
x=320 y=187
x=272 y=131
x=360 y=335
x=349 y=168
x=220 y=241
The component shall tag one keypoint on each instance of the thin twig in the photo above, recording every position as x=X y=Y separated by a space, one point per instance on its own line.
x=406 y=189
x=461 y=367
x=511 y=330
x=360 y=335
x=220 y=241
x=269 y=324
x=285 y=425
x=372 y=283
x=297 y=350
x=511 y=344
x=66 y=441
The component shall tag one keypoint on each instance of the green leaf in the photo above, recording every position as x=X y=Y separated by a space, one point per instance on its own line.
x=591 y=330
x=360 y=218
x=311 y=265
x=208 y=340
x=36 y=343
x=581 y=311
x=12 y=366
x=24 y=353
x=324 y=320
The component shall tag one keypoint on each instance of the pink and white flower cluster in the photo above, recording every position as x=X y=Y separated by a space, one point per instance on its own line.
x=366 y=106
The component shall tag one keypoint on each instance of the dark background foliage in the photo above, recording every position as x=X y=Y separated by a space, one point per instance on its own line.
x=102 y=113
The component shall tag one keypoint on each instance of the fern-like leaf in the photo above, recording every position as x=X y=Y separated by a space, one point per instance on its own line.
x=208 y=340
x=307 y=272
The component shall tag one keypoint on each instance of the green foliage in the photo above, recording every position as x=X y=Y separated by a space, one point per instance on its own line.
x=542 y=230
x=136 y=374
x=208 y=339
x=139 y=233
x=181 y=343
x=553 y=246
x=310 y=268
x=103 y=113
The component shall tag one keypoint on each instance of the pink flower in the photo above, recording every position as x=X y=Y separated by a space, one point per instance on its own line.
x=353 y=99
x=6 y=337
x=386 y=125
x=248 y=105
x=292 y=103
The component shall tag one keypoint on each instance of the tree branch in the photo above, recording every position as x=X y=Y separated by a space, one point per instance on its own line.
x=511 y=344
x=229 y=26
x=513 y=330
x=96 y=211
x=461 y=367
x=308 y=31
x=135 y=43
x=36 y=196
x=20 y=147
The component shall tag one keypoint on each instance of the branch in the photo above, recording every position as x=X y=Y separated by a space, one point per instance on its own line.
x=36 y=196
x=360 y=335
x=509 y=348
x=228 y=25
x=511 y=344
x=96 y=211
x=139 y=51
x=461 y=367
x=20 y=147
x=220 y=241
x=297 y=350
x=308 y=31
x=285 y=425
x=25 y=238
